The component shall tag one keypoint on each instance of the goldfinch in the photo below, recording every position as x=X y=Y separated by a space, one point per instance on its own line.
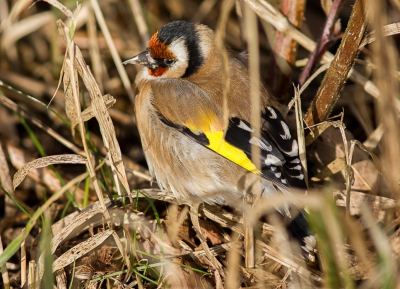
x=189 y=149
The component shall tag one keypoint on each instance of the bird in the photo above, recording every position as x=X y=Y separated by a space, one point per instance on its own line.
x=191 y=149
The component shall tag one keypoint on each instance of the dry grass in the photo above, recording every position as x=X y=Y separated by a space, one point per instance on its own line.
x=74 y=217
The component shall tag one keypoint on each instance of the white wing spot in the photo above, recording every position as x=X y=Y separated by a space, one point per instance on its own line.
x=300 y=177
x=294 y=151
x=295 y=161
x=286 y=130
x=298 y=167
x=244 y=126
x=272 y=160
x=278 y=175
x=273 y=113
x=284 y=181
x=256 y=141
x=273 y=168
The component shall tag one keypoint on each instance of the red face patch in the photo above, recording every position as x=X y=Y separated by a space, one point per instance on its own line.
x=159 y=49
x=158 y=72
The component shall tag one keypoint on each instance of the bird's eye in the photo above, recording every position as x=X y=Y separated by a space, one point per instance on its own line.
x=168 y=61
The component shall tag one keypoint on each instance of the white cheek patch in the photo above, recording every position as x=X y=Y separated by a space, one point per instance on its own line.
x=179 y=50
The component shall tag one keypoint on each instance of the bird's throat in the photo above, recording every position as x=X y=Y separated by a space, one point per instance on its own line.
x=158 y=71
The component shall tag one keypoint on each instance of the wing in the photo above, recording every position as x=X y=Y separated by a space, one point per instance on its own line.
x=275 y=126
x=200 y=120
x=279 y=159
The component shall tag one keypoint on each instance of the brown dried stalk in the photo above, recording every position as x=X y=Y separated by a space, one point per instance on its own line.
x=337 y=74
x=385 y=57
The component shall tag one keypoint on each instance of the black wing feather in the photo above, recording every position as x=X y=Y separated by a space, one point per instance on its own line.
x=275 y=126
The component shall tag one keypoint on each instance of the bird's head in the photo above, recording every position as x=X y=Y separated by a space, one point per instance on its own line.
x=177 y=50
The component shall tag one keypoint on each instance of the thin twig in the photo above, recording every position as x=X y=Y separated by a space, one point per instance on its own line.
x=325 y=41
x=113 y=50
x=4 y=271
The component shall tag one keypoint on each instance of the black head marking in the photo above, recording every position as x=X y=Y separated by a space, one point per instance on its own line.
x=177 y=29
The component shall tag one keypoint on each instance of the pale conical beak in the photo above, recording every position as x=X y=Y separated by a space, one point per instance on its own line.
x=144 y=58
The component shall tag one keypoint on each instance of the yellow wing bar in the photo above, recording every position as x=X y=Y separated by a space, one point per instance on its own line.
x=223 y=148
